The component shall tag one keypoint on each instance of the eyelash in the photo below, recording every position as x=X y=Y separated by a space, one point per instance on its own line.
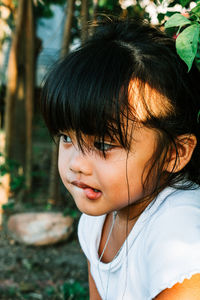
x=103 y=147
x=64 y=138
x=100 y=146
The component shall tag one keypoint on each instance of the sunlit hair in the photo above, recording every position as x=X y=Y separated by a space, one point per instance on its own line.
x=127 y=66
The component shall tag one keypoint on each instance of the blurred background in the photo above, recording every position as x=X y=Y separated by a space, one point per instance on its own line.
x=40 y=257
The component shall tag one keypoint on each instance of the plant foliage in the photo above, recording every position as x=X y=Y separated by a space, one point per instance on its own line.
x=187 y=41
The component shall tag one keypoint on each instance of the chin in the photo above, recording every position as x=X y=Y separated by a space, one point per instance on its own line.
x=90 y=212
x=94 y=214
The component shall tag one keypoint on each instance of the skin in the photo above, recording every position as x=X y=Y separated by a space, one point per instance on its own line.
x=94 y=295
x=189 y=289
x=106 y=174
x=109 y=175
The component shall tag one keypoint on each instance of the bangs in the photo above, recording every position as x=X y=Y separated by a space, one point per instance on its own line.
x=87 y=92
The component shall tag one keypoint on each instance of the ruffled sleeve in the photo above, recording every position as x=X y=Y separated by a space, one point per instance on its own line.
x=172 y=247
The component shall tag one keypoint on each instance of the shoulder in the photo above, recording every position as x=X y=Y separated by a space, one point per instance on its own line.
x=177 y=204
x=188 y=289
x=175 y=216
x=172 y=240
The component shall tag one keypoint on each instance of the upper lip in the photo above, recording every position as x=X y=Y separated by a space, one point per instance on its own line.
x=81 y=184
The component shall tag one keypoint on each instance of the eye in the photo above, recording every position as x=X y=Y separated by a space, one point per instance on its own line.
x=65 y=139
x=103 y=146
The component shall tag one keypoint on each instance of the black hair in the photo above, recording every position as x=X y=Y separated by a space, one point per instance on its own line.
x=88 y=92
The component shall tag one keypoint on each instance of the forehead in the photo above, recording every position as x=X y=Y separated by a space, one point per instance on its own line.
x=147 y=102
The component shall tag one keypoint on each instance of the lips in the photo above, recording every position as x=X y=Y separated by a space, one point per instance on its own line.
x=90 y=192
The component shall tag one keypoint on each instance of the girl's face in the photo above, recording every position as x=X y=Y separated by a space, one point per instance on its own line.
x=99 y=184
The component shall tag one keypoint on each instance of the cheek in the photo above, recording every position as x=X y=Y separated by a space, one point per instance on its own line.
x=112 y=175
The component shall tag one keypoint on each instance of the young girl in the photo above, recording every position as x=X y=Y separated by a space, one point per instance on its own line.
x=126 y=111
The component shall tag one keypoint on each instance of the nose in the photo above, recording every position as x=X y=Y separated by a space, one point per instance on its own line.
x=79 y=162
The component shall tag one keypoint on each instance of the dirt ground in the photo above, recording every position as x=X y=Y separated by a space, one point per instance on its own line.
x=50 y=272
x=56 y=272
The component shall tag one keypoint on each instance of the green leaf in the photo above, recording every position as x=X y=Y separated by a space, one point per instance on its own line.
x=9 y=206
x=198 y=116
x=161 y=17
x=187 y=43
x=184 y=2
x=196 y=9
x=177 y=20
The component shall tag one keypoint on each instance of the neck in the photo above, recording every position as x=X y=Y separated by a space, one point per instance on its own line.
x=132 y=212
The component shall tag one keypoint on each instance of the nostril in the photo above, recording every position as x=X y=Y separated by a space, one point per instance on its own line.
x=80 y=169
x=75 y=170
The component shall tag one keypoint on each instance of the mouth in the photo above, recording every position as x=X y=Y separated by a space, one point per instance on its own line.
x=90 y=192
x=83 y=185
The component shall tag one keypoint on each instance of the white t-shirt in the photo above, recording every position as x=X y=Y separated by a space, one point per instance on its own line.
x=162 y=249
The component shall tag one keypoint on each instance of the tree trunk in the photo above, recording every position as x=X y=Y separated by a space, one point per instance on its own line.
x=11 y=92
x=20 y=91
x=84 y=20
x=30 y=76
x=12 y=83
x=54 y=176
x=95 y=8
x=67 y=27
